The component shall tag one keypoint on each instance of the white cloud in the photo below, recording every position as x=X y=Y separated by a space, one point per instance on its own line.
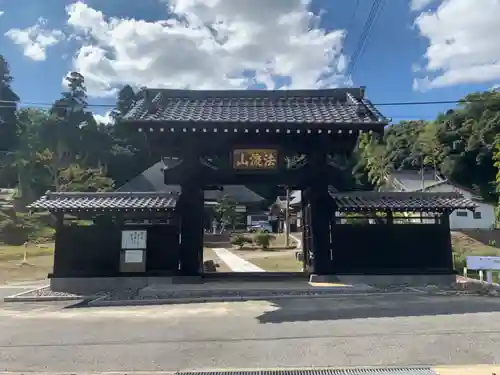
x=208 y=44
x=1 y=13
x=417 y=5
x=463 y=43
x=104 y=119
x=35 y=39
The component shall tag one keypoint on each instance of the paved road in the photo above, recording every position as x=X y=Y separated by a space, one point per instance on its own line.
x=347 y=331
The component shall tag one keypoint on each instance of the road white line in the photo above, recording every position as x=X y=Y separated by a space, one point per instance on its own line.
x=236 y=263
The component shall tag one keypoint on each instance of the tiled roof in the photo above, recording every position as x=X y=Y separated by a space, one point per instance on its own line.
x=152 y=180
x=104 y=202
x=400 y=201
x=411 y=180
x=331 y=106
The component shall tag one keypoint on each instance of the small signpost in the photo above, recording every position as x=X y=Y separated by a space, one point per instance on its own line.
x=483 y=263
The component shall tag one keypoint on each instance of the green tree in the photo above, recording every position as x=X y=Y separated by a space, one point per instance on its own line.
x=226 y=210
x=76 y=178
x=23 y=158
x=8 y=106
x=459 y=144
x=496 y=159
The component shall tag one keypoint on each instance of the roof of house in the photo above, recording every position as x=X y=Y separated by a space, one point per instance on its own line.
x=400 y=201
x=113 y=201
x=329 y=106
x=152 y=180
x=411 y=180
x=296 y=196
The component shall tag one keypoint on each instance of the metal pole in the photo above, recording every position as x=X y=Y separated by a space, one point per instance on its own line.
x=422 y=173
x=287 y=218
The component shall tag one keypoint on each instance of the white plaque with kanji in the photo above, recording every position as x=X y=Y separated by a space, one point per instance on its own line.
x=134 y=239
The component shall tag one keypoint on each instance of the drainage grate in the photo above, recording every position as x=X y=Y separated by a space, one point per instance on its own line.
x=333 y=371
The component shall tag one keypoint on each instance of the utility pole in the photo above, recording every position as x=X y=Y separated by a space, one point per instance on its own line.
x=287 y=218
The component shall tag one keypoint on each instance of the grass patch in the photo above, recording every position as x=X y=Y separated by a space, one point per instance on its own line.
x=39 y=262
x=37 y=269
x=464 y=246
x=283 y=263
x=11 y=253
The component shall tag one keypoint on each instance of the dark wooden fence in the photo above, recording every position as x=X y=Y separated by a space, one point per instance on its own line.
x=390 y=249
x=94 y=251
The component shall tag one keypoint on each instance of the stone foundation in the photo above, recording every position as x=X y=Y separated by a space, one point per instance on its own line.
x=382 y=280
x=92 y=285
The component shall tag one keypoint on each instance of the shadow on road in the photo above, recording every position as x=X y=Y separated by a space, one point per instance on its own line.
x=390 y=306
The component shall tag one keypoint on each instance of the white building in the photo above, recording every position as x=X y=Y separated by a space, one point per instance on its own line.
x=413 y=181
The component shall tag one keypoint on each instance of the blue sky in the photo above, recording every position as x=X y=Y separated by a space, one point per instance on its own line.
x=43 y=40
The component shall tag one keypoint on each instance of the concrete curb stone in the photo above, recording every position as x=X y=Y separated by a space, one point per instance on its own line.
x=103 y=302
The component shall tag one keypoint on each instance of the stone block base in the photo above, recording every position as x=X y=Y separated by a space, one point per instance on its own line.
x=91 y=285
x=381 y=280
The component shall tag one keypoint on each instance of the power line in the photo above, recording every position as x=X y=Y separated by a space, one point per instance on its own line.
x=368 y=37
x=42 y=105
x=372 y=15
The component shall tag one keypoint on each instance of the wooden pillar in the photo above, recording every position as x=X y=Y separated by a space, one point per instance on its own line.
x=319 y=199
x=389 y=217
x=320 y=228
x=191 y=237
x=306 y=231
x=58 y=262
x=445 y=223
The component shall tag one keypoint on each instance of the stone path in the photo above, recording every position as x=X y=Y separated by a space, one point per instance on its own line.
x=236 y=263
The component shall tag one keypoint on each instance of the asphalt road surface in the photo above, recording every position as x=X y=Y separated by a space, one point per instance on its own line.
x=342 y=331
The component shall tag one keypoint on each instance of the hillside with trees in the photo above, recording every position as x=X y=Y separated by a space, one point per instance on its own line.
x=63 y=148
x=459 y=144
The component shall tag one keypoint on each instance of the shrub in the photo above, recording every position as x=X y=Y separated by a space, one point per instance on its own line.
x=263 y=239
x=240 y=240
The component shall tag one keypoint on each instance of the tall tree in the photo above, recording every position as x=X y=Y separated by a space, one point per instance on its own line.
x=131 y=150
x=8 y=106
x=23 y=158
x=62 y=135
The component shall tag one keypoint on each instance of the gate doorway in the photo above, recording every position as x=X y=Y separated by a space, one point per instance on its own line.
x=298 y=138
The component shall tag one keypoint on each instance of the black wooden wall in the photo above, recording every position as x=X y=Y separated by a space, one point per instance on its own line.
x=390 y=249
x=94 y=251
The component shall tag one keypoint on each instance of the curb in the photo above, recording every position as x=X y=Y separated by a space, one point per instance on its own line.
x=101 y=302
x=23 y=297
x=45 y=298
x=27 y=292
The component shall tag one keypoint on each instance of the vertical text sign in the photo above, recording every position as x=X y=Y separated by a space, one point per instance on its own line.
x=134 y=239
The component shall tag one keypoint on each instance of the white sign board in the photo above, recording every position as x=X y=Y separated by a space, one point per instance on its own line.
x=483 y=263
x=134 y=239
x=133 y=256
